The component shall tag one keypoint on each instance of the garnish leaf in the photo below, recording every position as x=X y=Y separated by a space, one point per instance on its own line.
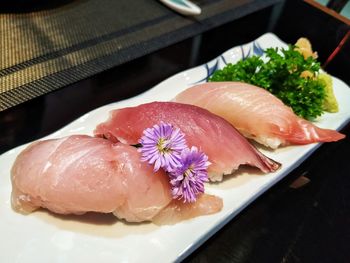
x=286 y=74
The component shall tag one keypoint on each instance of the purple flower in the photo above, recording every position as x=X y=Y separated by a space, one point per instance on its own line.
x=188 y=179
x=162 y=146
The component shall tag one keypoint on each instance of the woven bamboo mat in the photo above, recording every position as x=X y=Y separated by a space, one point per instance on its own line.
x=46 y=50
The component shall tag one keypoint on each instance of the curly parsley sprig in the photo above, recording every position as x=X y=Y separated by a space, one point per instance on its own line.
x=282 y=74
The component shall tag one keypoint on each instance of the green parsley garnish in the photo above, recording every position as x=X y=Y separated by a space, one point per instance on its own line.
x=282 y=74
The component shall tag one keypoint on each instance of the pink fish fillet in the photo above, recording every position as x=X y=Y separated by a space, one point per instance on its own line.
x=80 y=174
x=256 y=113
x=226 y=148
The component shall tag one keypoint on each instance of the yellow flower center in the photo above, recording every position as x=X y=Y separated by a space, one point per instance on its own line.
x=162 y=146
x=188 y=171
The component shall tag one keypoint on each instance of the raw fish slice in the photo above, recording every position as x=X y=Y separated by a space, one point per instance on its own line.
x=256 y=113
x=79 y=174
x=178 y=211
x=226 y=148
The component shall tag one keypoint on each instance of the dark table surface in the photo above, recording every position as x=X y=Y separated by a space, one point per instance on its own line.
x=308 y=224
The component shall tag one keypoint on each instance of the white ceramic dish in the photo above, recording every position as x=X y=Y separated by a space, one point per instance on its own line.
x=43 y=237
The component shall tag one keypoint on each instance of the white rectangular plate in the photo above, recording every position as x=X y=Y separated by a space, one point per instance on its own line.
x=43 y=237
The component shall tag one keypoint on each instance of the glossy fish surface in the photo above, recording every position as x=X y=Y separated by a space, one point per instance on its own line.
x=226 y=148
x=79 y=174
x=256 y=113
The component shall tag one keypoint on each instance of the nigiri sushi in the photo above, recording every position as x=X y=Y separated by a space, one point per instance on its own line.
x=226 y=148
x=256 y=113
x=79 y=174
